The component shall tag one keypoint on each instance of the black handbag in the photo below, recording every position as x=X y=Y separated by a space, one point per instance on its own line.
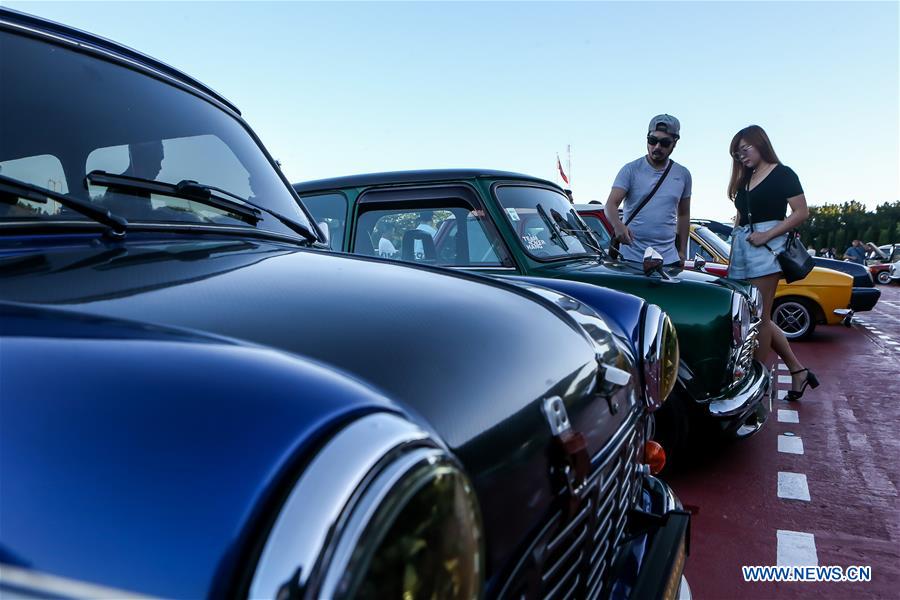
x=795 y=261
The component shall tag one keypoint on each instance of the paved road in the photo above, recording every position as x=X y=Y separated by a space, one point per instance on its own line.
x=819 y=483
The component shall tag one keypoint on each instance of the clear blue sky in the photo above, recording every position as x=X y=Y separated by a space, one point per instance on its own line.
x=339 y=88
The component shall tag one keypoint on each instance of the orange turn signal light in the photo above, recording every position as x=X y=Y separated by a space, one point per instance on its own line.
x=654 y=457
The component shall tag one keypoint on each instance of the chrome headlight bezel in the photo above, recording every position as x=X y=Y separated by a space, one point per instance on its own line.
x=659 y=356
x=756 y=304
x=334 y=518
x=740 y=319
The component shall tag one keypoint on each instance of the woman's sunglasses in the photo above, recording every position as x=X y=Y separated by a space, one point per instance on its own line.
x=742 y=152
x=664 y=142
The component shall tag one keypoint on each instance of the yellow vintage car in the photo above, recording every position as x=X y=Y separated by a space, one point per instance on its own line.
x=823 y=297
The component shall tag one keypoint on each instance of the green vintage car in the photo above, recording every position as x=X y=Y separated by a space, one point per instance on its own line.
x=509 y=224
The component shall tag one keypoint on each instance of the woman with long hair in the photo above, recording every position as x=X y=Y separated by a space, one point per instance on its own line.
x=762 y=188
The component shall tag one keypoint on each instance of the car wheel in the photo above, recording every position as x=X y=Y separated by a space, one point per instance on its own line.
x=672 y=428
x=795 y=318
x=884 y=277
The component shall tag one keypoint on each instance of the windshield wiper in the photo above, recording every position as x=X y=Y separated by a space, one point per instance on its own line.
x=212 y=196
x=35 y=193
x=553 y=227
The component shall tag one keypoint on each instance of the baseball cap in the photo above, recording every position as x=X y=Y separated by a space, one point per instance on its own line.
x=666 y=123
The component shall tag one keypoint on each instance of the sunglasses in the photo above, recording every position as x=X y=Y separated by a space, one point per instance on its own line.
x=742 y=152
x=664 y=142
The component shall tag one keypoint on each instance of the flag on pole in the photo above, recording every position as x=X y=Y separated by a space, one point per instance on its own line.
x=561 y=172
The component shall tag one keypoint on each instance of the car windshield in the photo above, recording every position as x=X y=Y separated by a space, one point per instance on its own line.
x=720 y=246
x=67 y=113
x=545 y=223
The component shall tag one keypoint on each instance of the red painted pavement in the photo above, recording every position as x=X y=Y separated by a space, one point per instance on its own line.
x=850 y=427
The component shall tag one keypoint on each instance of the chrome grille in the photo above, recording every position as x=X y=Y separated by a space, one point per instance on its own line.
x=572 y=556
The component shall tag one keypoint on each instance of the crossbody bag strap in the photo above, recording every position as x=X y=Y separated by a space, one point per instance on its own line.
x=647 y=198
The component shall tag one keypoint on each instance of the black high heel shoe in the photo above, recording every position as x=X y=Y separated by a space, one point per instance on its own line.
x=811 y=381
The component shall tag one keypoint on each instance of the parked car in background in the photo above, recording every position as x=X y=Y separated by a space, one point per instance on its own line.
x=508 y=224
x=862 y=277
x=198 y=404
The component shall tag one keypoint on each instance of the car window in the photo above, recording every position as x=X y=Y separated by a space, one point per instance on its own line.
x=694 y=249
x=599 y=229
x=545 y=224
x=125 y=123
x=43 y=170
x=718 y=245
x=430 y=235
x=330 y=211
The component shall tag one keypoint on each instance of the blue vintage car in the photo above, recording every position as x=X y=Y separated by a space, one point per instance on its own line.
x=195 y=403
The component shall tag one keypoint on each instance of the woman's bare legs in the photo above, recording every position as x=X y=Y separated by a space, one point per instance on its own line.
x=770 y=336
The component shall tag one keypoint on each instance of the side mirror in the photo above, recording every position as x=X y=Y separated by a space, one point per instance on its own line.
x=653 y=261
x=323 y=227
x=699 y=262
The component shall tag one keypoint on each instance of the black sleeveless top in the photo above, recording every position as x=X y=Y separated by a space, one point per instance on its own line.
x=768 y=200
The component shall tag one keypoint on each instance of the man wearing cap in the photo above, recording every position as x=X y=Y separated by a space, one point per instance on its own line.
x=669 y=209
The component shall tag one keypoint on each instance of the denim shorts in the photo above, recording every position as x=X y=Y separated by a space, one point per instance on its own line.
x=749 y=261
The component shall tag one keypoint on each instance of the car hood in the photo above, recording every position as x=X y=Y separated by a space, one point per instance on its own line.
x=144 y=437
x=471 y=356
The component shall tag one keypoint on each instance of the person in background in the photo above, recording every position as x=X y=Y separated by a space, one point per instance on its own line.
x=826 y=253
x=762 y=188
x=856 y=253
x=386 y=248
x=811 y=250
x=669 y=210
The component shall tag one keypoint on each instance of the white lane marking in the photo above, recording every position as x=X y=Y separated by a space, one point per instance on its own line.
x=782 y=394
x=785 y=379
x=788 y=416
x=796 y=549
x=793 y=486
x=790 y=445
x=783 y=367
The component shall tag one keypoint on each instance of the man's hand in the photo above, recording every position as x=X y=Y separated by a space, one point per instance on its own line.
x=623 y=234
x=681 y=259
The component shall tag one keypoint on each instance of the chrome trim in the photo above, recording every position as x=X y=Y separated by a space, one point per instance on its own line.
x=31 y=584
x=684 y=590
x=745 y=398
x=309 y=518
x=377 y=496
x=651 y=354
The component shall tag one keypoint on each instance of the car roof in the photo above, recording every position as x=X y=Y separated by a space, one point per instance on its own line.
x=13 y=20
x=419 y=176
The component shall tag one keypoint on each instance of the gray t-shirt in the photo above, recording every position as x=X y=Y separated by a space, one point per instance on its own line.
x=656 y=223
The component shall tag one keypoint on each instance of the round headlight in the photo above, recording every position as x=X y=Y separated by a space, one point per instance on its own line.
x=422 y=541
x=381 y=510
x=660 y=356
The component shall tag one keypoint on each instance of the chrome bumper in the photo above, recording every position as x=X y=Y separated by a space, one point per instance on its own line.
x=744 y=411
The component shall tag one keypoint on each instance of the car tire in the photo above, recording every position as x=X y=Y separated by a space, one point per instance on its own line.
x=672 y=427
x=884 y=277
x=795 y=317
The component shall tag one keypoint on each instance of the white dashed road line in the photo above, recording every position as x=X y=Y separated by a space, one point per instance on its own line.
x=793 y=486
x=796 y=548
x=785 y=379
x=790 y=444
x=788 y=416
